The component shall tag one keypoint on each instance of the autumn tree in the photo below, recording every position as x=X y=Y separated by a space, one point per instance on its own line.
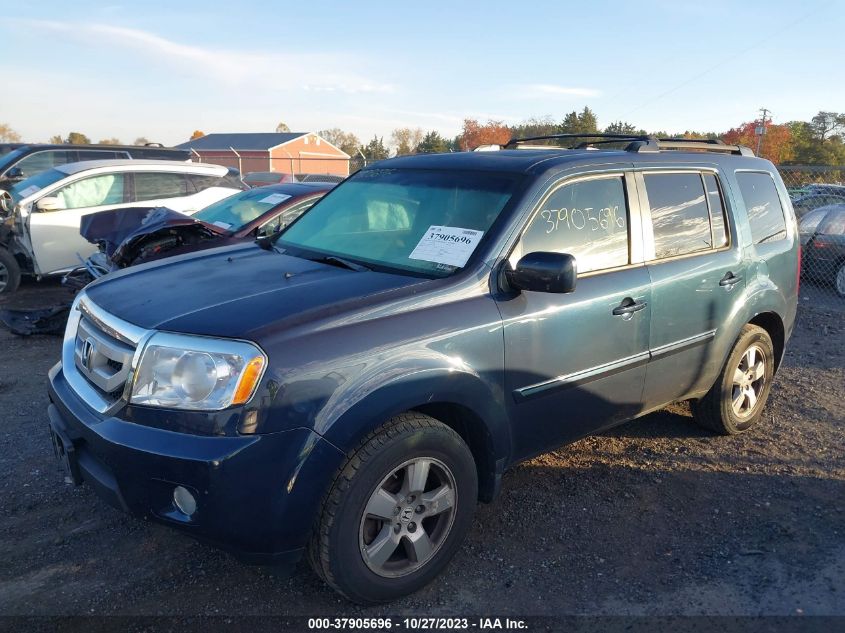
x=475 y=134
x=77 y=138
x=534 y=126
x=197 y=134
x=345 y=141
x=406 y=139
x=141 y=140
x=432 y=143
x=282 y=127
x=8 y=135
x=375 y=149
x=109 y=141
x=776 y=145
x=56 y=139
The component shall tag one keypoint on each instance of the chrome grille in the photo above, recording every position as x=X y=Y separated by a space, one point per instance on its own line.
x=99 y=354
x=103 y=360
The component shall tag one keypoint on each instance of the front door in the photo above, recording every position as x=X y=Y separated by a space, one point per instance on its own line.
x=697 y=274
x=575 y=363
x=54 y=235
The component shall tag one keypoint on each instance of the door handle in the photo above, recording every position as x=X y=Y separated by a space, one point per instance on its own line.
x=729 y=280
x=628 y=307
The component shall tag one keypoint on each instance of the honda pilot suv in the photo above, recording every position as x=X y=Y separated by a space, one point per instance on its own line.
x=350 y=388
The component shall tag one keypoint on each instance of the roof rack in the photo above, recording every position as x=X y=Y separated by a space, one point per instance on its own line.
x=638 y=143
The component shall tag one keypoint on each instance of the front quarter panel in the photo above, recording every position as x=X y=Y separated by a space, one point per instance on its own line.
x=346 y=377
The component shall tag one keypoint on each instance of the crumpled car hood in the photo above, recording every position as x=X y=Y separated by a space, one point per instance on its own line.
x=121 y=230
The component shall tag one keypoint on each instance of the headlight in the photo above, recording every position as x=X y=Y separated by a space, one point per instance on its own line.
x=192 y=372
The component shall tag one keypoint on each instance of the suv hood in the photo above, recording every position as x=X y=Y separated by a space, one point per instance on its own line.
x=236 y=291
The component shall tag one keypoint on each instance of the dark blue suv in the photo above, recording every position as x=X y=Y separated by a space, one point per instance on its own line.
x=352 y=387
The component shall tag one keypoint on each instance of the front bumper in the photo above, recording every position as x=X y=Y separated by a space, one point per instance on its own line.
x=257 y=495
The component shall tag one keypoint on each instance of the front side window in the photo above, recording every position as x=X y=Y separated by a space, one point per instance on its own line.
x=99 y=154
x=679 y=215
x=42 y=161
x=285 y=218
x=93 y=191
x=587 y=219
x=152 y=186
x=765 y=213
x=416 y=220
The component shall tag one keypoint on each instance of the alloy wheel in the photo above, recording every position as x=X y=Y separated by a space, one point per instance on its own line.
x=408 y=517
x=840 y=281
x=4 y=277
x=748 y=381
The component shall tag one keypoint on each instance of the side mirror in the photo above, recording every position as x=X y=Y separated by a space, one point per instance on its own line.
x=544 y=272
x=14 y=172
x=49 y=203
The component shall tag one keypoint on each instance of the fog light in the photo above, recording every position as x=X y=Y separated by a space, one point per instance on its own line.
x=184 y=500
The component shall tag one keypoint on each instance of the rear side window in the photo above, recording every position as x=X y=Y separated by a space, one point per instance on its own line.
x=97 y=154
x=679 y=214
x=717 y=211
x=765 y=214
x=152 y=186
x=587 y=219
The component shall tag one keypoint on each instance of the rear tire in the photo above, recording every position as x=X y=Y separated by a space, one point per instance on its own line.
x=397 y=512
x=736 y=400
x=10 y=273
x=839 y=280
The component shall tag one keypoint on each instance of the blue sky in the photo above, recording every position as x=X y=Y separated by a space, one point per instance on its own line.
x=162 y=69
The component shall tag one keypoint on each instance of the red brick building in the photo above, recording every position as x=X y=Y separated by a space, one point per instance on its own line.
x=285 y=152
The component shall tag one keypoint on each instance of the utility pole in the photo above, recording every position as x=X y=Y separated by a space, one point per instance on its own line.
x=761 y=129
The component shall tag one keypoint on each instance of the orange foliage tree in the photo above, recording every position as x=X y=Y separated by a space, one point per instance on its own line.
x=197 y=134
x=475 y=134
x=777 y=142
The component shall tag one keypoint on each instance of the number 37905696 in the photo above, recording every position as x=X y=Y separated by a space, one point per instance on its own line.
x=587 y=218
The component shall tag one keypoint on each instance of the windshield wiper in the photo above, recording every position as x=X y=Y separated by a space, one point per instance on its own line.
x=333 y=260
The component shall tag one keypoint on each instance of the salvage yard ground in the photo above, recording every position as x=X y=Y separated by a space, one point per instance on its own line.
x=655 y=517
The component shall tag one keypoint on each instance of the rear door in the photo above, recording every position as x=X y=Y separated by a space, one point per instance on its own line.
x=697 y=273
x=56 y=243
x=575 y=363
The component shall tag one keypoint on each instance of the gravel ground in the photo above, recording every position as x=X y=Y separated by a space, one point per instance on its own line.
x=656 y=517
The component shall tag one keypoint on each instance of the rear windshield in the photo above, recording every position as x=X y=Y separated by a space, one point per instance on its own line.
x=833 y=223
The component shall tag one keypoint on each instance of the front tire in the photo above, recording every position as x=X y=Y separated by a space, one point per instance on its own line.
x=397 y=512
x=10 y=273
x=839 y=280
x=736 y=400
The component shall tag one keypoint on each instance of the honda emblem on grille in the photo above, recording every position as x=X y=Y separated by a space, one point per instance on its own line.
x=87 y=355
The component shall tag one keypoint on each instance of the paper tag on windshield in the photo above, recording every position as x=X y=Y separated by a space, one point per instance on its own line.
x=29 y=191
x=222 y=225
x=447 y=245
x=275 y=198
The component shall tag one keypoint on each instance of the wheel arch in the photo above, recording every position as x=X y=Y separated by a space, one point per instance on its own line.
x=774 y=326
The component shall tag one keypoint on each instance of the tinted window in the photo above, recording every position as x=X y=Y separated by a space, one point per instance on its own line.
x=588 y=220
x=42 y=161
x=201 y=183
x=765 y=215
x=151 y=186
x=93 y=191
x=717 y=211
x=98 y=154
x=679 y=215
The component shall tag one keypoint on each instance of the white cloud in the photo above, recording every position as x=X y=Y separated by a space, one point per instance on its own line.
x=308 y=71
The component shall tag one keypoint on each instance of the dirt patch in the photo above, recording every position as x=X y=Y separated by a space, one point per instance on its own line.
x=655 y=517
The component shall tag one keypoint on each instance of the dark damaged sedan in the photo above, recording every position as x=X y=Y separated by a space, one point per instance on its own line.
x=134 y=235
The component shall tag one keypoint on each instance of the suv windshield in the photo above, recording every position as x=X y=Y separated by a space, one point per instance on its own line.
x=235 y=211
x=31 y=185
x=420 y=221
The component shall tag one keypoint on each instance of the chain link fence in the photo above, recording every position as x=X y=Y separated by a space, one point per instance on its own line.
x=818 y=197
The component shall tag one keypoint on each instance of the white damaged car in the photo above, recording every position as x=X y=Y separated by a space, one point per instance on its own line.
x=39 y=234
